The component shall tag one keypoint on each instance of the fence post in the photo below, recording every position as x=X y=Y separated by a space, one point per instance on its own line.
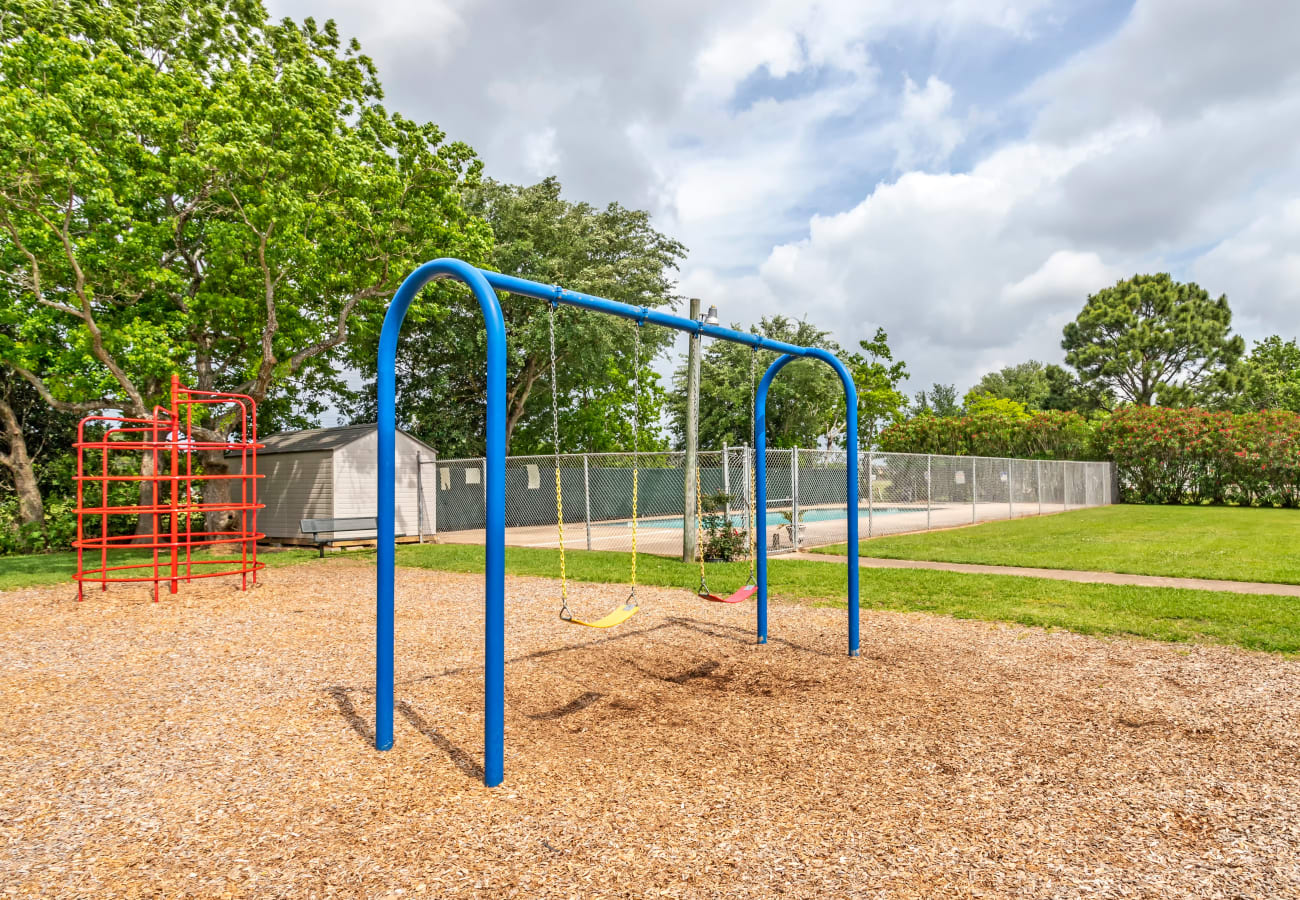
x=419 y=500
x=1038 y=483
x=928 y=489
x=726 y=486
x=1011 y=483
x=974 y=466
x=794 y=498
x=871 y=494
x=586 y=498
x=1065 y=484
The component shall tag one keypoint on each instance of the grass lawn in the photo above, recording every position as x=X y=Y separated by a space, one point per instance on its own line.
x=1234 y=543
x=52 y=568
x=1256 y=622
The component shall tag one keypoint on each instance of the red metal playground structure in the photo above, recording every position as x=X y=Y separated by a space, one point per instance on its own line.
x=153 y=461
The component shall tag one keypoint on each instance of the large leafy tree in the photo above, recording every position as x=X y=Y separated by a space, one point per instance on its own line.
x=1065 y=392
x=940 y=400
x=29 y=430
x=1024 y=382
x=188 y=187
x=612 y=252
x=1151 y=340
x=877 y=376
x=1269 y=378
x=805 y=406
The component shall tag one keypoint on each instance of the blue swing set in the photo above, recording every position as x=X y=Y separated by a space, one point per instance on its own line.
x=484 y=285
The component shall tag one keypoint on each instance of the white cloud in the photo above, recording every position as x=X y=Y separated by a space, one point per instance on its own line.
x=816 y=162
x=976 y=270
x=927 y=131
x=1259 y=269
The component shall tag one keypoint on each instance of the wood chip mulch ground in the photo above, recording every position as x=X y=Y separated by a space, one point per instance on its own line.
x=217 y=744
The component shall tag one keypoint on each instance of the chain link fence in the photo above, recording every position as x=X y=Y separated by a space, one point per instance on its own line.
x=898 y=493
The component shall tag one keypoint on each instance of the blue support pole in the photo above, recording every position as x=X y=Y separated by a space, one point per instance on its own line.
x=851 y=486
x=484 y=286
x=495 y=489
x=760 y=485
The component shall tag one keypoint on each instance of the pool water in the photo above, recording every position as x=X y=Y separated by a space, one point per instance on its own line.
x=740 y=520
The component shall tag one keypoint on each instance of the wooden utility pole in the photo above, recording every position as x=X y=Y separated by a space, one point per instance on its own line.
x=692 y=437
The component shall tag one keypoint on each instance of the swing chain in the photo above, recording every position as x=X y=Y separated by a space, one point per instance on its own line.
x=753 y=427
x=565 y=612
x=699 y=506
x=636 y=441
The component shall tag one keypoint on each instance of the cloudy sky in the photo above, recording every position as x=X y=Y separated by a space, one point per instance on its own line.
x=961 y=172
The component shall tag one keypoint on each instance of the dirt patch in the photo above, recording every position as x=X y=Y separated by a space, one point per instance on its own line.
x=219 y=744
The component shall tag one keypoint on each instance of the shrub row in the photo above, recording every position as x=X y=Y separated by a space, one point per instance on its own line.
x=1161 y=455
x=1195 y=456
x=1042 y=435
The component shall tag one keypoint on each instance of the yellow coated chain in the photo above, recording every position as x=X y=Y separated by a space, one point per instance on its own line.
x=559 y=517
x=636 y=439
x=753 y=425
x=634 y=488
x=555 y=447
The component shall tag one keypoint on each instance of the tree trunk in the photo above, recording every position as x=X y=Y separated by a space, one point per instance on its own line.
x=147 y=526
x=31 y=509
x=218 y=490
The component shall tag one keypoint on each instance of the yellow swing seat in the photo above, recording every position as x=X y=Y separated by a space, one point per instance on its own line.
x=616 y=616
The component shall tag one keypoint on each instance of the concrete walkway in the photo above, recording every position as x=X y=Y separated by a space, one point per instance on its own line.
x=1195 y=584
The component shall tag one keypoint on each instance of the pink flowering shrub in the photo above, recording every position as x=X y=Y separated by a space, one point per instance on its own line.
x=1167 y=455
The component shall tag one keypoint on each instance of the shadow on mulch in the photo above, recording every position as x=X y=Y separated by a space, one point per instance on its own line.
x=461 y=759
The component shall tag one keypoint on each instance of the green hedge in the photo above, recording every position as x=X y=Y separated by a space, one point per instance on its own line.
x=1161 y=455
x=1042 y=435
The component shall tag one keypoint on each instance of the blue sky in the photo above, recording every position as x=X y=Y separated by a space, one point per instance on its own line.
x=960 y=172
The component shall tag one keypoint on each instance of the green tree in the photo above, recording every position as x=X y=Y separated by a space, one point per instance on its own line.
x=188 y=187
x=1151 y=339
x=1024 y=382
x=940 y=400
x=612 y=252
x=876 y=376
x=1269 y=378
x=805 y=405
x=1066 y=392
x=29 y=430
x=989 y=405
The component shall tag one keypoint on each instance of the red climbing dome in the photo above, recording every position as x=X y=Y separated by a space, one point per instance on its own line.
x=203 y=517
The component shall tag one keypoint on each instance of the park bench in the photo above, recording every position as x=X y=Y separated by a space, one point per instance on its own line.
x=317 y=527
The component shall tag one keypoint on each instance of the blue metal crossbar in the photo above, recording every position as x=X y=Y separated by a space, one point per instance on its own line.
x=484 y=286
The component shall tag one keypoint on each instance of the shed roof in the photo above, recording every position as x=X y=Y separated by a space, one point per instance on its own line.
x=321 y=439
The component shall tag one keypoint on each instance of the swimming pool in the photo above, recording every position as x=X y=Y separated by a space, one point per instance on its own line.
x=740 y=520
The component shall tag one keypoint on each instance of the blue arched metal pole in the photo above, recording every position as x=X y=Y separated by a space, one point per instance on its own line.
x=495 y=488
x=483 y=284
x=760 y=485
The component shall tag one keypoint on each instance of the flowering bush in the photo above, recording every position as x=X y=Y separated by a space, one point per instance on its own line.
x=1166 y=455
x=1161 y=455
x=1040 y=435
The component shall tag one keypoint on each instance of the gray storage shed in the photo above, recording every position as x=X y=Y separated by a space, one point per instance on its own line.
x=330 y=473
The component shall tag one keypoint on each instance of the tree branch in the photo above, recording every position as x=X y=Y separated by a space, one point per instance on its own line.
x=87 y=315
x=84 y=406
